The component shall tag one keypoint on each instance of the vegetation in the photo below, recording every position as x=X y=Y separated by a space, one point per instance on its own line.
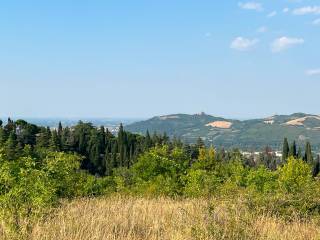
x=248 y=135
x=54 y=176
x=135 y=218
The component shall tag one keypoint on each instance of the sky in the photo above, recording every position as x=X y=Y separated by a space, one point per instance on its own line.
x=144 y=58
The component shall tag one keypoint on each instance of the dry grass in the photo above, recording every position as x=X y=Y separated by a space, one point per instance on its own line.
x=300 y=121
x=220 y=124
x=130 y=218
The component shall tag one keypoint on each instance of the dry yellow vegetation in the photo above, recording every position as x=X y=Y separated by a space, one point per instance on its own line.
x=300 y=121
x=220 y=124
x=133 y=218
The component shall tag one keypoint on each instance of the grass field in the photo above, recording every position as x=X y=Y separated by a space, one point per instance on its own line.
x=133 y=218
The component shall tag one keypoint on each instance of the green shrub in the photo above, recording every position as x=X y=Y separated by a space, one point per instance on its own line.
x=159 y=171
x=26 y=193
x=199 y=183
x=295 y=176
x=262 y=180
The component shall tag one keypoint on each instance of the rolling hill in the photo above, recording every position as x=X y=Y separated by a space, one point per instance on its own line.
x=248 y=134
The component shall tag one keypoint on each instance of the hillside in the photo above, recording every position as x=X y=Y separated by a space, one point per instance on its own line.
x=247 y=134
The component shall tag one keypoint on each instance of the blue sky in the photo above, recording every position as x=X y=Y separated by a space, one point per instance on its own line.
x=84 y=58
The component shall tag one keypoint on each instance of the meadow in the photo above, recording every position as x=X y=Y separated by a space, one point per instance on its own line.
x=137 y=218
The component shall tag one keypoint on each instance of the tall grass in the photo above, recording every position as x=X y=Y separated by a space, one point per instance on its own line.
x=133 y=218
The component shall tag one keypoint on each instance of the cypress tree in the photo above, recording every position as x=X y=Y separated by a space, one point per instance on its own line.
x=102 y=137
x=316 y=167
x=10 y=126
x=293 y=150
x=125 y=157
x=299 y=154
x=54 y=143
x=114 y=162
x=43 y=139
x=308 y=153
x=131 y=155
x=66 y=140
x=165 y=138
x=121 y=145
x=49 y=132
x=285 y=150
x=95 y=151
x=108 y=164
x=155 y=138
x=10 y=146
x=60 y=129
x=147 y=141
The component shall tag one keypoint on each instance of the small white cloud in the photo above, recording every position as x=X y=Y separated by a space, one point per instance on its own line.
x=272 y=14
x=208 y=34
x=316 y=22
x=262 y=29
x=313 y=72
x=285 y=10
x=284 y=43
x=307 y=10
x=251 y=6
x=243 y=44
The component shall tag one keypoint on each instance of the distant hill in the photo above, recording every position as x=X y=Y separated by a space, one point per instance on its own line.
x=248 y=134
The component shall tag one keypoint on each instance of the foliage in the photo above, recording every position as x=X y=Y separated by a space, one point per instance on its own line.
x=246 y=134
x=262 y=180
x=39 y=167
x=199 y=183
x=29 y=187
x=159 y=171
x=25 y=192
x=295 y=176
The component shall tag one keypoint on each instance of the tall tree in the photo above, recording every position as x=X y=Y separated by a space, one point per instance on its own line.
x=122 y=145
x=43 y=138
x=114 y=158
x=147 y=141
x=10 y=146
x=316 y=167
x=285 y=150
x=60 y=129
x=94 y=150
x=308 y=153
x=66 y=140
x=107 y=164
x=293 y=149
x=54 y=141
x=102 y=137
x=299 y=153
x=10 y=127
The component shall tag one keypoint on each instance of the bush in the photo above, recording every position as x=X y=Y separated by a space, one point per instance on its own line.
x=30 y=187
x=262 y=180
x=26 y=193
x=295 y=176
x=159 y=171
x=199 y=183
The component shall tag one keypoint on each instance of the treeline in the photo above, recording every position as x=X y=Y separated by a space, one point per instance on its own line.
x=293 y=151
x=103 y=152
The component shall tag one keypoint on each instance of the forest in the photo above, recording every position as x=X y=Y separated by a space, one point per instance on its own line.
x=43 y=171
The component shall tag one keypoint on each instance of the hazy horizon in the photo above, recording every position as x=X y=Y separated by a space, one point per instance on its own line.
x=84 y=118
